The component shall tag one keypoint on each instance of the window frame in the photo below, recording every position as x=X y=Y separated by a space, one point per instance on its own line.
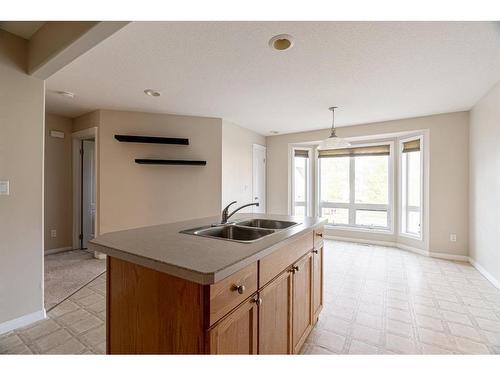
x=309 y=204
x=402 y=231
x=352 y=205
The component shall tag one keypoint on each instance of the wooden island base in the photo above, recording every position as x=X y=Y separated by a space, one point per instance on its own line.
x=268 y=307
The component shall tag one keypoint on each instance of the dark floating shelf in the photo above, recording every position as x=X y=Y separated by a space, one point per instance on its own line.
x=170 y=162
x=148 y=139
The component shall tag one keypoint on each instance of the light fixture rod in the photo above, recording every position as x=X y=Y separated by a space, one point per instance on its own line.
x=332 y=133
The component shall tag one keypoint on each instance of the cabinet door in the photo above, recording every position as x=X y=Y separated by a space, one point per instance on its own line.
x=302 y=301
x=275 y=316
x=317 y=282
x=237 y=332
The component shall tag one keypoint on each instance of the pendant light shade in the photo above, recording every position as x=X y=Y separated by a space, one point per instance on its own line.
x=333 y=141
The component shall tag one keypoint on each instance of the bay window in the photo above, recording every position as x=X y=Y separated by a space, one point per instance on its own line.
x=301 y=190
x=355 y=186
x=411 y=186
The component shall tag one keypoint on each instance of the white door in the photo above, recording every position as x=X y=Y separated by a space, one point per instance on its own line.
x=88 y=191
x=259 y=178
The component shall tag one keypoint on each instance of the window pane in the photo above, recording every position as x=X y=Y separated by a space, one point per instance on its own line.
x=413 y=178
x=300 y=176
x=414 y=222
x=335 y=215
x=299 y=211
x=334 y=177
x=371 y=218
x=372 y=179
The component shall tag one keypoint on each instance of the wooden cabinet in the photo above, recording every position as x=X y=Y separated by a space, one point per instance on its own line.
x=275 y=316
x=268 y=307
x=301 y=301
x=237 y=332
x=317 y=261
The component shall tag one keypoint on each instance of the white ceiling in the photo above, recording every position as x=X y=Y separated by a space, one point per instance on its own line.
x=24 y=29
x=373 y=71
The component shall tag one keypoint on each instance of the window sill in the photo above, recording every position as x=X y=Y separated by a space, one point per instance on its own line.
x=358 y=229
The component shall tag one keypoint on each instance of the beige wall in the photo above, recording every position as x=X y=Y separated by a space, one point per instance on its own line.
x=133 y=195
x=237 y=163
x=58 y=190
x=484 y=220
x=448 y=141
x=86 y=121
x=21 y=162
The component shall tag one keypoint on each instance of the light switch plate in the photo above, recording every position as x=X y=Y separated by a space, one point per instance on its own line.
x=4 y=188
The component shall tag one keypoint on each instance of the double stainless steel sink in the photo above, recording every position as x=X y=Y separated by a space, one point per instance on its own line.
x=245 y=230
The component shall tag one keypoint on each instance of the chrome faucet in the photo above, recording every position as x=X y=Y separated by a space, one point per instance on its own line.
x=225 y=212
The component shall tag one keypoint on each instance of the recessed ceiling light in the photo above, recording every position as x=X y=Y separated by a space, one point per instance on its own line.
x=281 y=42
x=67 y=94
x=274 y=132
x=152 y=92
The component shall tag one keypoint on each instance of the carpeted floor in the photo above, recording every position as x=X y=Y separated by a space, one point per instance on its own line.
x=67 y=272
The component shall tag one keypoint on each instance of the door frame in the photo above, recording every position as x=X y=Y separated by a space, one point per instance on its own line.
x=77 y=137
x=257 y=146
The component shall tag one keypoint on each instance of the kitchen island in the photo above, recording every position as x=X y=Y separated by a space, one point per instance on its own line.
x=181 y=293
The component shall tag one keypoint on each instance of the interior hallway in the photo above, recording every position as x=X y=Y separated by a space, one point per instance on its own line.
x=377 y=300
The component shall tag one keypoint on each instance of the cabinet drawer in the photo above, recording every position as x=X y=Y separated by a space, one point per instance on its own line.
x=318 y=238
x=273 y=264
x=230 y=292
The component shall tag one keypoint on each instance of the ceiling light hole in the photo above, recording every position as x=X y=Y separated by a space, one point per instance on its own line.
x=281 y=42
x=151 y=92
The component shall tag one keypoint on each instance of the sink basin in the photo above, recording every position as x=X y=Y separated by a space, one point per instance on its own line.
x=231 y=232
x=266 y=223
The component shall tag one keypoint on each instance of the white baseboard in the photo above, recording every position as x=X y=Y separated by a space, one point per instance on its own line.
x=22 y=321
x=485 y=273
x=415 y=250
x=460 y=258
x=358 y=240
x=58 y=250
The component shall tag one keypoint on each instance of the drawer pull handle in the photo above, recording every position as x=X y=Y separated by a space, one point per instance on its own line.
x=239 y=288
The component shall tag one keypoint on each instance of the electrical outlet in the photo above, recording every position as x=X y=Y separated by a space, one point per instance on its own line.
x=53 y=233
x=453 y=237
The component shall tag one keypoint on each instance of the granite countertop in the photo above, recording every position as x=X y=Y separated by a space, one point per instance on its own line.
x=199 y=259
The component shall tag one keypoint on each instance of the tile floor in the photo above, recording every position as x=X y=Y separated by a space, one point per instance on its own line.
x=75 y=326
x=378 y=300
x=382 y=300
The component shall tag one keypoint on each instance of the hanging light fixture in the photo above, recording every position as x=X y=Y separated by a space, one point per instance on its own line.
x=333 y=141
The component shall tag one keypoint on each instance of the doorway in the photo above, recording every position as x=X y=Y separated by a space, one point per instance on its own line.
x=259 y=178
x=88 y=192
x=85 y=213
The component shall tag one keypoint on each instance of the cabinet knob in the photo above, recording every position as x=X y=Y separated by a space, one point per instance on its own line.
x=240 y=288
x=258 y=301
x=295 y=269
x=319 y=234
x=315 y=251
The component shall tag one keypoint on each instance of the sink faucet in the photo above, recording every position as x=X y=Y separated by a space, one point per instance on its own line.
x=225 y=212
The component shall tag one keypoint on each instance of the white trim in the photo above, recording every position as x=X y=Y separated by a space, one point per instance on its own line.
x=413 y=249
x=90 y=133
x=486 y=274
x=359 y=229
x=459 y=258
x=359 y=240
x=256 y=146
x=58 y=250
x=22 y=321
